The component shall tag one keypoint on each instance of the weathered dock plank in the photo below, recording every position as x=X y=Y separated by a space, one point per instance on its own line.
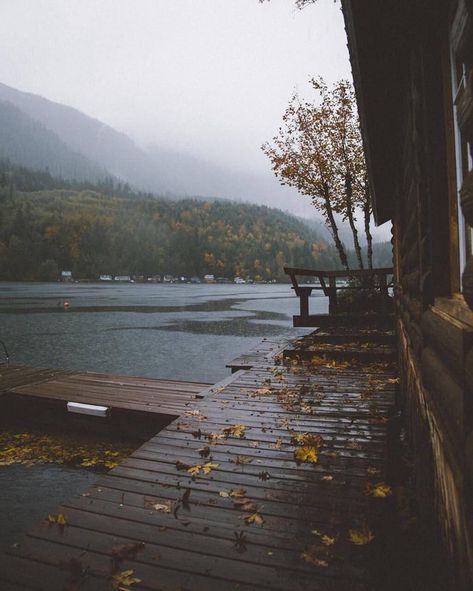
x=250 y=517
x=166 y=397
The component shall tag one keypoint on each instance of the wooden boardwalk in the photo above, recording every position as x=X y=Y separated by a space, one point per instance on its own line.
x=165 y=397
x=217 y=500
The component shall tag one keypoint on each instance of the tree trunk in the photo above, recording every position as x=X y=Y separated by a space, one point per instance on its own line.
x=351 y=220
x=334 y=229
x=367 y=214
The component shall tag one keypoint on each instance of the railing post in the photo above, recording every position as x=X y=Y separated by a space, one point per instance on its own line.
x=332 y=298
x=304 y=294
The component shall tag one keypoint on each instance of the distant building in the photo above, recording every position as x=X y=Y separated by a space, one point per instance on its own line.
x=66 y=276
x=209 y=278
x=239 y=280
x=122 y=278
x=105 y=278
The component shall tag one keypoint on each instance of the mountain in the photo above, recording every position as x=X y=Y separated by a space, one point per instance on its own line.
x=156 y=169
x=26 y=141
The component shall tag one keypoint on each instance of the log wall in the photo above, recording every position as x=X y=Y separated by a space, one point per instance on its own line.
x=435 y=325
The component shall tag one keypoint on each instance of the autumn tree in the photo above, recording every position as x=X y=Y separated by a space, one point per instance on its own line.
x=319 y=151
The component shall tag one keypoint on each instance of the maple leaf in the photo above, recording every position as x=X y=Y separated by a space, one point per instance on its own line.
x=379 y=490
x=360 y=537
x=123 y=581
x=311 y=556
x=328 y=540
x=235 y=430
x=245 y=504
x=208 y=467
x=306 y=454
x=194 y=470
x=204 y=451
x=310 y=439
x=237 y=492
x=224 y=494
x=214 y=438
x=255 y=518
x=263 y=391
x=182 y=466
x=277 y=444
x=327 y=477
x=241 y=460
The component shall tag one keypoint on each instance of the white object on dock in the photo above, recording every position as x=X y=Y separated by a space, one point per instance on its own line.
x=88 y=409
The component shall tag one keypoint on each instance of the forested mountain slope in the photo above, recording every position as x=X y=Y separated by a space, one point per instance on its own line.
x=90 y=233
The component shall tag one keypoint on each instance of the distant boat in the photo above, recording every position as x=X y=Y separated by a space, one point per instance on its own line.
x=105 y=278
x=239 y=280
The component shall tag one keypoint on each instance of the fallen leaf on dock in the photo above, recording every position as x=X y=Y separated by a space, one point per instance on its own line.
x=166 y=507
x=327 y=478
x=306 y=454
x=205 y=468
x=263 y=392
x=379 y=490
x=304 y=438
x=124 y=580
x=255 y=518
x=239 y=460
x=182 y=466
x=204 y=451
x=277 y=444
x=245 y=504
x=311 y=555
x=235 y=430
x=360 y=537
x=237 y=492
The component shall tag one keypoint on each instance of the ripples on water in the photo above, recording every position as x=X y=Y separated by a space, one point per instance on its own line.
x=158 y=330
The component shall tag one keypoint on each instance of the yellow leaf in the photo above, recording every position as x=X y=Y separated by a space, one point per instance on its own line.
x=306 y=454
x=122 y=581
x=235 y=430
x=328 y=540
x=61 y=520
x=254 y=518
x=360 y=537
x=379 y=490
x=206 y=468
x=310 y=556
x=194 y=470
x=327 y=477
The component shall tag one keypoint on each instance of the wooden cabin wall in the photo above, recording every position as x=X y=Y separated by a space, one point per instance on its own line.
x=435 y=330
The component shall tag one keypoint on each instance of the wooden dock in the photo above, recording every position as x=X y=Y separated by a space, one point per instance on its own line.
x=164 y=397
x=226 y=497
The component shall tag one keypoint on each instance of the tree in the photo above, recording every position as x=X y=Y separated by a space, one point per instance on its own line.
x=319 y=151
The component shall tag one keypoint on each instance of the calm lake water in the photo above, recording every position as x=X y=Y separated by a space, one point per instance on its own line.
x=175 y=331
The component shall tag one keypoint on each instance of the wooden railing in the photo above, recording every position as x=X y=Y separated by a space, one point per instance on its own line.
x=368 y=278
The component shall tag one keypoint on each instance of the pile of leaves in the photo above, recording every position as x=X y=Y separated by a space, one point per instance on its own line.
x=30 y=448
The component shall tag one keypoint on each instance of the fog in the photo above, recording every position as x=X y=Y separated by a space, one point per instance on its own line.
x=208 y=79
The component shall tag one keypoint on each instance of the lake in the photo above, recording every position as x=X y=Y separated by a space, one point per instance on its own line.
x=175 y=331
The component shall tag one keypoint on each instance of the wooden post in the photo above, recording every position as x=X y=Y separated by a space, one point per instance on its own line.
x=332 y=298
x=304 y=294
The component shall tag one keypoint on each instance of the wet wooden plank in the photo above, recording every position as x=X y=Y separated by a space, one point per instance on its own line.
x=194 y=532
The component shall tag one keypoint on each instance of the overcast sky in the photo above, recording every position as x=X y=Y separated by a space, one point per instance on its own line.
x=210 y=77
x=206 y=77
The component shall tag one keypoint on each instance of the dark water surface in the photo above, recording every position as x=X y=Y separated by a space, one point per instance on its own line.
x=175 y=331
x=158 y=330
